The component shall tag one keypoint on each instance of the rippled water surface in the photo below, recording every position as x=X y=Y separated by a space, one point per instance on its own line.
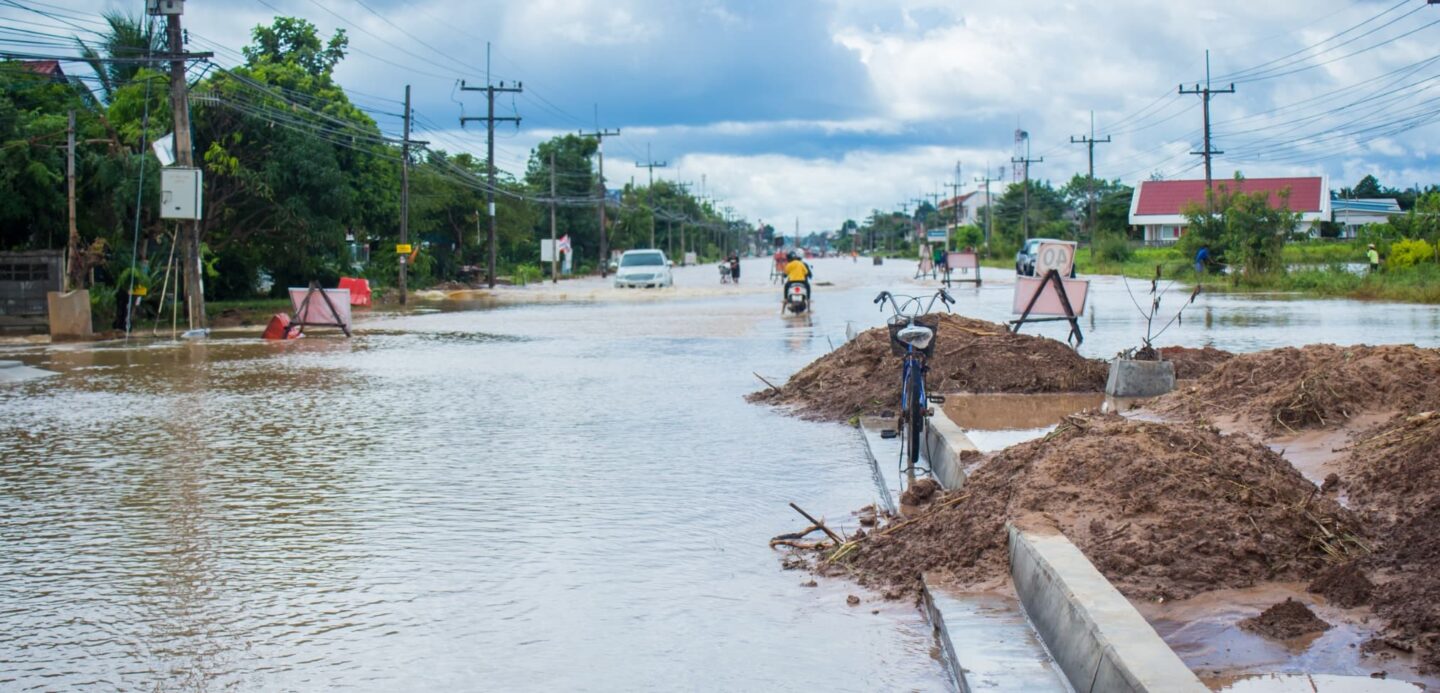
x=567 y=495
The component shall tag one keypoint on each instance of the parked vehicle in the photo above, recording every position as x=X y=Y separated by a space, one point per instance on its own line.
x=912 y=328
x=643 y=269
x=1025 y=258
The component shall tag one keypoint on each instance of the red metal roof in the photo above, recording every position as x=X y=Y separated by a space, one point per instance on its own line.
x=47 y=68
x=1169 y=197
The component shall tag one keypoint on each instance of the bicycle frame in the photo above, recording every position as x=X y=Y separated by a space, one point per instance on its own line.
x=913 y=367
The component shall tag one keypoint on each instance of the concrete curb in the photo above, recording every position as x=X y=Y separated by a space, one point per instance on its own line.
x=1096 y=636
x=945 y=447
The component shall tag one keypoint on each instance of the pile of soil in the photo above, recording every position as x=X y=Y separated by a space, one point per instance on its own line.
x=1343 y=585
x=1193 y=363
x=1288 y=619
x=1317 y=386
x=1164 y=511
x=1392 y=476
x=862 y=377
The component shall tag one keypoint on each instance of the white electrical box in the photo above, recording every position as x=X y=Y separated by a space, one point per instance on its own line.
x=163 y=7
x=180 y=193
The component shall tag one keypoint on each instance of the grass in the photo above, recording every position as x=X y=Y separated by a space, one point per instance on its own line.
x=1325 y=278
x=249 y=305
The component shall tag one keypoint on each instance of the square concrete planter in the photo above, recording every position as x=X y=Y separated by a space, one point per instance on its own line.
x=1140 y=378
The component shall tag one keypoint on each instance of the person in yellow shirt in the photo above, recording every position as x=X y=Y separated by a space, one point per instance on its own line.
x=796 y=272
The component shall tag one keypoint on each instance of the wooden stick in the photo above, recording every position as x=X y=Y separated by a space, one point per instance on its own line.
x=819 y=524
x=772 y=387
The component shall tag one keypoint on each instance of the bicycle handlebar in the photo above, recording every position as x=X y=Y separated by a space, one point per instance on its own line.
x=911 y=306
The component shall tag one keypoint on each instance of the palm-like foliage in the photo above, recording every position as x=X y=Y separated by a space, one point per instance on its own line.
x=128 y=38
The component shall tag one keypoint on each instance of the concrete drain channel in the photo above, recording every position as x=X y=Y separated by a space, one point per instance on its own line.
x=1064 y=626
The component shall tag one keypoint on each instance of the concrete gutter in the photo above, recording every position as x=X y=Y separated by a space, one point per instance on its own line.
x=1100 y=641
x=15 y=372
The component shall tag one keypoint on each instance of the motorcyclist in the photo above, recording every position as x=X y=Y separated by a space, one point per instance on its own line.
x=796 y=272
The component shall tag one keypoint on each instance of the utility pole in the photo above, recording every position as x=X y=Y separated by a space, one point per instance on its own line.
x=955 y=204
x=72 y=244
x=1090 y=143
x=600 y=136
x=490 y=92
x=989 y=207
x=180 y=116
x=1026 y=160
x=651 y=164
x=554 y=251
x=1205 y=95
x=404 y=199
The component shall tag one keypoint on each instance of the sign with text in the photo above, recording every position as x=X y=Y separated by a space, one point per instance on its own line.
x=963 y=262
x=1056 y=255
x=403 y=248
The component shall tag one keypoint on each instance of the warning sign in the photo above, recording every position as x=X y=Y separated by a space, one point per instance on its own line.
x=403 y=248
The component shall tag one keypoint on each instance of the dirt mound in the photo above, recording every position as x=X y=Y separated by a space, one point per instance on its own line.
x=1393 y=477
x=1194 y=363
x=1284 y=390
x=1162 y=510
x=1343 y=585
x=920 y=492
x=1395 y=465
x=862 y=377
x=1288 y=619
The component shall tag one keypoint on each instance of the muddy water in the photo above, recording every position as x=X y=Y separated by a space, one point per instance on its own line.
x=551 y=497
x=560 y=489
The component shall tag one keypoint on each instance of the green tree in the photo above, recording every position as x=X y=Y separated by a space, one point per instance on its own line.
x=1243 y=229
x=113 y=58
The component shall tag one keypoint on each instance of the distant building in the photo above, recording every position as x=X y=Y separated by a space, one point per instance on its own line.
x=1351 y=215
x=45 y=68
x=1159 y=205
x=970 y=205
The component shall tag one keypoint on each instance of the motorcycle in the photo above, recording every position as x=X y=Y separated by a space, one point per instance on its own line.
x=797 y=298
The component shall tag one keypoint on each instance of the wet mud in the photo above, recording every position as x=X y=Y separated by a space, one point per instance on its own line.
x=1286 y=620
x=861 y=377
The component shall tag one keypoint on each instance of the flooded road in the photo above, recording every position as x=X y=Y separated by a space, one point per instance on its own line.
x=564 y=494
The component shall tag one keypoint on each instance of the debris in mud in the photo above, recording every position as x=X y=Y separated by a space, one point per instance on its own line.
x=1164 y=511
x=1193 y=363
x=1396 y=464
x=852 y=600
x=1288 y=619
x=920 y=492
x=862 y=376
x=1332 y=482
x=1343 y=585
x=1317 y=386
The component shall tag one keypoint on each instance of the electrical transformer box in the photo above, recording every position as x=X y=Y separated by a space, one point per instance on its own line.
x=163 y=7
x=180 y=190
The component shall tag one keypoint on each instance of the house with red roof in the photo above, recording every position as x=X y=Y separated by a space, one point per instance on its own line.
x=1159 y=205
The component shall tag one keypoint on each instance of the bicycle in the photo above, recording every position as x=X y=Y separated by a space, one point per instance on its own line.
x=912 y=337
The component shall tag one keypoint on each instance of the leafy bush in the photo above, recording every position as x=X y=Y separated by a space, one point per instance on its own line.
x=525 y=273
x=970 y=236
x=1408 y=252
x=1113 y=247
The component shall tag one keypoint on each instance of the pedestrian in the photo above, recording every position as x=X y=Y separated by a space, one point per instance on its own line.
x=1374 y=256
x=1202 y=258
x=734 y=268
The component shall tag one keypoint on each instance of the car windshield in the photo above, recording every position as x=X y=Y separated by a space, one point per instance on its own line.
x=642 y=260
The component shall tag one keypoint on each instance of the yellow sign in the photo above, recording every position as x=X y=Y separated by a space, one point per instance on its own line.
x=140 y=291
x=402 y=248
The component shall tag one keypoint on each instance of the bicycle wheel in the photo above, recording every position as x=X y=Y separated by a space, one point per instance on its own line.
x=914 y=414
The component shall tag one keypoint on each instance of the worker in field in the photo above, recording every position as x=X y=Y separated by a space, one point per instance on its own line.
x=1202 y=258
x=1374 y=256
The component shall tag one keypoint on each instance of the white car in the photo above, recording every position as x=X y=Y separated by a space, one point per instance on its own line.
x=643 y=269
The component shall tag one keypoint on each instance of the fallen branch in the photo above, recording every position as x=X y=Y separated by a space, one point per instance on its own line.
x=833 y=536
x=767 y=382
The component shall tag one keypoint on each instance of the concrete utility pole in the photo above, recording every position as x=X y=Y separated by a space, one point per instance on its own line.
x=1026 y=161
x=1090 y=143
x=651 y=164
x=600 y=136
x=955 y=204
x=1205 y=95
x=72 y=244
x=404 y=199
x=989 y=208
x=554 y=252
x=180 y=116
x=490 y=119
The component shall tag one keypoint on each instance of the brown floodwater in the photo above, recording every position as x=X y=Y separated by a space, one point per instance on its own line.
x=555 y=490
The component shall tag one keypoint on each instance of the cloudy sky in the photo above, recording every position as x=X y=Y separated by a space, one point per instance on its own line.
x=826 y=109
